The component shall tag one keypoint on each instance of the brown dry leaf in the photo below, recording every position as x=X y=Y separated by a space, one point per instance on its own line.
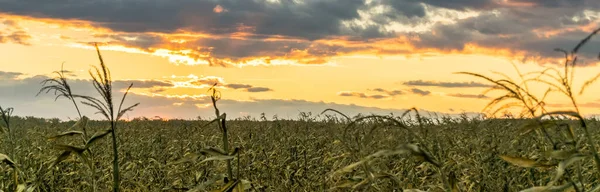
x=524 y=162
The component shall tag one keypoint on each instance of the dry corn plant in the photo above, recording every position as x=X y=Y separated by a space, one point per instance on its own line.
x=102 y=82
x=17 y=185
x=231 y=183
x=4 y=159
x=369 y=174
x=6 y=114
x=517 y=95
x=566 y=152
x=61 y=88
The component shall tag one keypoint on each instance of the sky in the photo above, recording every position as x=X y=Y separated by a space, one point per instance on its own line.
x=283 y=57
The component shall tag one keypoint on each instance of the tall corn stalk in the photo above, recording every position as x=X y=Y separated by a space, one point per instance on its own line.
x=102 y=82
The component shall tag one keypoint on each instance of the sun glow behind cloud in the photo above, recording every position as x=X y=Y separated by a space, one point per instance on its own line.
x=177 y=47
x=81 y=34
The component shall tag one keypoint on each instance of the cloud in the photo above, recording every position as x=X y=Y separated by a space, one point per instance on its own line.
x=527 y=32
x=9 y=75
x=143 y=83
x=238 y=86
x=18 y=37
x=21 y=94
x=157 y=90
x=470 y=96
x=464 y=4
x=389 y=92
x=248 y=88
x=226 y=51
x=420 y=92
x=219 y=9
x=229 y=33
x=258 y=89
x=26 y=88
x=11 y=32
x=208 y=81
x=361 y=95
x=445 y=84
x=310 y=19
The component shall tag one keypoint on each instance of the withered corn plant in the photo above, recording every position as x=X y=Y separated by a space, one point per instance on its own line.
x=105 y=106
x=61 y=88
x=365 y=179
x=5 y=114
x=4 y=159
x=19 y=183
x=232 y=183
x=566 y=151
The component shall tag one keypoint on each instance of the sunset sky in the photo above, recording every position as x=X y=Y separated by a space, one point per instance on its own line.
x=289 y=56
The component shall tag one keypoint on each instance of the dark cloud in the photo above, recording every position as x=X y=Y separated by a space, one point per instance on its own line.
x=9 y=75
x=471 y=96
x=158 y=89
x=208 y=81
x=310 y=19
x=420 y=92
x=258 y=89
x=138 y=40
x=445 y=84
x=389 y=92
x=535 y=31
x=361 y=95
x=402 y=9
x=463 y=4
x=238 y=86
x=248 y=88
x=142 y=83
x=291 y=30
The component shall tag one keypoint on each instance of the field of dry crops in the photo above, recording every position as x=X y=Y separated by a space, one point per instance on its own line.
x=308 y=154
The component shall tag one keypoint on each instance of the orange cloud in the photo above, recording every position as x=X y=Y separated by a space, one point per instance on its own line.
x=549 y=32
x=219 y=9
x=246 y=48
x=61 y=23
x=517 y=3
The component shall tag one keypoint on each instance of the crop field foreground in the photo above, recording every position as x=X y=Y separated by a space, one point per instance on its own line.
x=286 y=155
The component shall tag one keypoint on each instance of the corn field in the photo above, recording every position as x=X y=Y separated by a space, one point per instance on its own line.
x=286 y=155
